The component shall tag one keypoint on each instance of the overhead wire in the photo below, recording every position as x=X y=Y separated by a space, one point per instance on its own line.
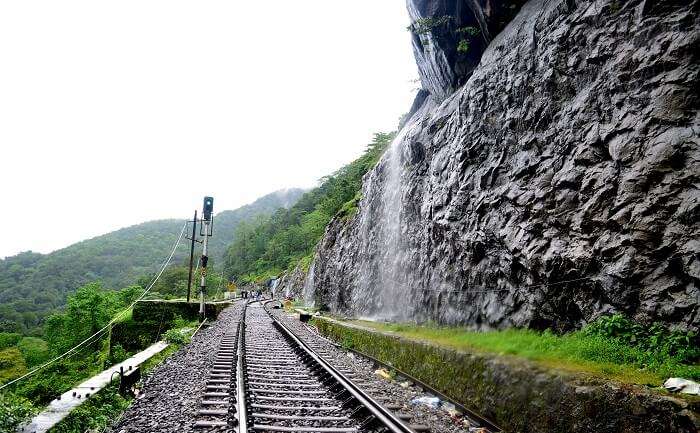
x=114 y=319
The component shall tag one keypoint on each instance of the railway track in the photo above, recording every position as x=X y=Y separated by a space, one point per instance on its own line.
x=218 y=405
x=265 y=379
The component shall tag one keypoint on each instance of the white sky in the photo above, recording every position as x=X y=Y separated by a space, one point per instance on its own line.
x=109 y=111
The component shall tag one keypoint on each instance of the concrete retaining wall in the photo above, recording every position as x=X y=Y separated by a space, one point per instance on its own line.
x=520 y=396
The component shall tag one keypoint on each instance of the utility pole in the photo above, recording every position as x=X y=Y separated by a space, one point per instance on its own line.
x=189 y=276
x=207 y=226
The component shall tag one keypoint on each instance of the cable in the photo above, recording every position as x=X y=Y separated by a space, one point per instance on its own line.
x=116 y=317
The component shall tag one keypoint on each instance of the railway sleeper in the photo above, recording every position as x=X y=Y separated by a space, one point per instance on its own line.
x=301 y=429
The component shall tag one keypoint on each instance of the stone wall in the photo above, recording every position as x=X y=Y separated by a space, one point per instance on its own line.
x=151 y=319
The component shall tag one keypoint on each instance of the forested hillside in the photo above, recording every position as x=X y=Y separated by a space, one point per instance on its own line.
x=269 y=245
x=32 y=285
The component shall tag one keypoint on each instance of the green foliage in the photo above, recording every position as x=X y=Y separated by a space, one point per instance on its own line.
x=58 y=378
x=429 y=24
x=350 y=207
x=12 y=364
x=117 y=354
x=272 y=244
x=33 y=286
x=305 y=262
x=98 y=412
x=468 y=33
x=9 y=326
x=584 y=350
x=34 y=350
x=463 y=46
x=469 y=30
x=9 y=339
x=680 y=345
x=89 y=309
x=175 y=336
x=179 y=322
x=14 y=410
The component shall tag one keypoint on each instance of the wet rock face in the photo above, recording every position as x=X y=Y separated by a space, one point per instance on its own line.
x=558 y=184
x=438 y=27
x=291 y=284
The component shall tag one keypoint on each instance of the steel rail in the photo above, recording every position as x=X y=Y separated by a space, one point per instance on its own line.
x=383 y=415
x=483 y=422
x=241 y=407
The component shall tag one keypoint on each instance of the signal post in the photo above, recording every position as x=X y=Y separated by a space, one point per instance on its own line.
x=206 y=229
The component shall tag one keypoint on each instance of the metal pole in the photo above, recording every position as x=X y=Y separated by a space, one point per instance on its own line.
x=203 y=282
x=189 y=276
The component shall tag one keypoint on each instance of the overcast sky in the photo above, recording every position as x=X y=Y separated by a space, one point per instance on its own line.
x=114 y=113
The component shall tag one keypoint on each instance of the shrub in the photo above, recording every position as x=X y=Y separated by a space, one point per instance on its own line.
x=463 y=46
x=350 y=207
x=469 y=30
x=12 y=364
x=428 y=24
x=179 y=322
x=13 y=410
x=35 y=350
x=118 y=354
x=9 y=339
x=305 y=262
x=680 y=345
x=174 y=336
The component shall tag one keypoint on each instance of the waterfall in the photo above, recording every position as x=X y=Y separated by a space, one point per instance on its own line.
x=309 y=291
x=382 y=283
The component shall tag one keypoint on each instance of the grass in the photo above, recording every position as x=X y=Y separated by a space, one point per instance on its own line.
x=574 y=352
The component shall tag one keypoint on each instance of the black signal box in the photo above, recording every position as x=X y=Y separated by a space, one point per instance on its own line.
x=208 y=208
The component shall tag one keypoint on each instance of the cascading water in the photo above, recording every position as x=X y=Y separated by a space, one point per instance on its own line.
x=309 y=291
x=382 y=279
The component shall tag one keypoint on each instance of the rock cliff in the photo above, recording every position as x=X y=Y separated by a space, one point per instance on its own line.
x=548 y=177
x=291 y=284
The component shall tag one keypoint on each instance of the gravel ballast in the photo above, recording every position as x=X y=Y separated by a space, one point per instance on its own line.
x=170 y=395
x=391 y=393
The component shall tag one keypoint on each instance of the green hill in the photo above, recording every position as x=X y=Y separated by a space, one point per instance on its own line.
x=32 y=285
x=270 y=245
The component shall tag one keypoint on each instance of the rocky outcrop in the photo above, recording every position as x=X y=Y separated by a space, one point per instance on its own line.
x=559 y=183
x=291 y=284
x=439 y=26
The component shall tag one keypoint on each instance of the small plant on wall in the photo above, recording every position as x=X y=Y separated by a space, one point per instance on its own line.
x=467 y=34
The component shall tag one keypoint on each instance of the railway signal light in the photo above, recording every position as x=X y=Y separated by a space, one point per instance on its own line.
x=208 y=208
